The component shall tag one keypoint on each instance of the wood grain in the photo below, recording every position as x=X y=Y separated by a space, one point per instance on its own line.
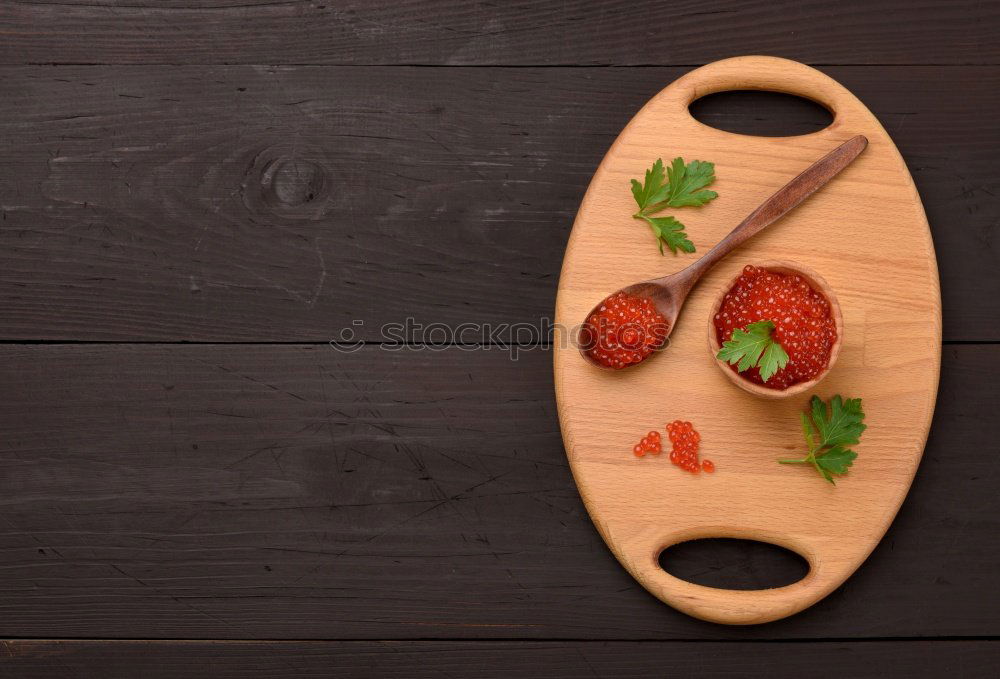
x=295 y=492
x=205 y=204
x=642 y=506
x=434 y=659
x=135 y=207
x=450 y=32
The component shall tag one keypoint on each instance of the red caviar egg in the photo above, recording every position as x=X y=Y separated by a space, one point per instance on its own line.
x=685 y=447
x=803 y=322
x=623 y=331
x=684 y=451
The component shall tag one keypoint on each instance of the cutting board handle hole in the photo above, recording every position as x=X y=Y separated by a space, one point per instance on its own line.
x=731 y=563
x=760 y=113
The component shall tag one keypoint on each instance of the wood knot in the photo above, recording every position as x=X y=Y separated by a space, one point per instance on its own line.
x=288 y=184
x=292 y=181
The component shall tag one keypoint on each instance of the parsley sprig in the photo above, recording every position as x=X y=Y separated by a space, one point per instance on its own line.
x=754 y=347
x=680 y=186
x=835 y=428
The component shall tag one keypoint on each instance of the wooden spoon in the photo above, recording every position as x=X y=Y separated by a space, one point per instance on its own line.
x=669 y=292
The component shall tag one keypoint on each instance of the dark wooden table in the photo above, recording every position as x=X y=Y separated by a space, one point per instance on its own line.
x=198 y=195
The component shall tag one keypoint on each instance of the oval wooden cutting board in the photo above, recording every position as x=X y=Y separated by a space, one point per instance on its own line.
x=866 y=233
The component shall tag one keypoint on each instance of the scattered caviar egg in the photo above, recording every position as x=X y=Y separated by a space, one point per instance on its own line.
x=685 y=442
x=649 y=444
x=623 y=331
x=684 y=452
x=802 y=317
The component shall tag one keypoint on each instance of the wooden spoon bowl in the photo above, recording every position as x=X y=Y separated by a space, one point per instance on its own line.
x=819 y=285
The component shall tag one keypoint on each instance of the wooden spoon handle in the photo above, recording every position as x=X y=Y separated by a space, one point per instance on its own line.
x=784 y=200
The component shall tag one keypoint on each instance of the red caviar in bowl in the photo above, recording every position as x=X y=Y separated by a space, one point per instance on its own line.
x=623 y=331
x=685 y=442
x=803 y=322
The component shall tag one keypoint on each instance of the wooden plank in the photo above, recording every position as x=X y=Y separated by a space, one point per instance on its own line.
x=620 y=32
x=261 y=203
x=172 y=491
x=29 y=659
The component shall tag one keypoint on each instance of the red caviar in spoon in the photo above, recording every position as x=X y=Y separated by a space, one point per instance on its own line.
x=803 y=322
x=624 y=331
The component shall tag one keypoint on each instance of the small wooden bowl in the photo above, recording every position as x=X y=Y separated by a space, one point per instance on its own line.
x=818 y=284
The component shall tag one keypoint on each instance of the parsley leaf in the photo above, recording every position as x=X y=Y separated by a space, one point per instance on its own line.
x=835 y=428
x=754 y=347
x=807 y=431
x=652 y=190
x=836 y=460
x=687 y=182
x=843 y=427
x=670 y=231
x=679 y=186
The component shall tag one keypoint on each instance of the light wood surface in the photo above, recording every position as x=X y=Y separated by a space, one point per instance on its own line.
x=866 y=234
